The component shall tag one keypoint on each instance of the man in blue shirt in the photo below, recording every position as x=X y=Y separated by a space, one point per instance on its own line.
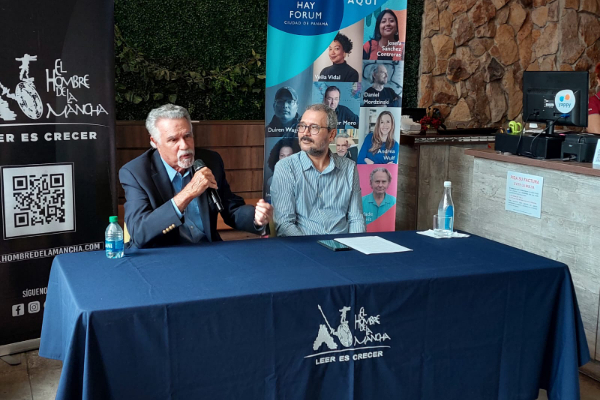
x=167 y=202
x=378 y=202
x=314 y=191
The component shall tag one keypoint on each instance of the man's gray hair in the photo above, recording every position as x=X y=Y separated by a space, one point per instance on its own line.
x=342 y=135
x=167 y=111
x=380 y=170
x=330 y=112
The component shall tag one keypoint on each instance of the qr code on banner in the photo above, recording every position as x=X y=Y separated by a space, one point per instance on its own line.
x=38 y=199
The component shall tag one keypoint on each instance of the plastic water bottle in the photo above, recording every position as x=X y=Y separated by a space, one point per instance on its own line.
x=446 y=210
x=113 y=239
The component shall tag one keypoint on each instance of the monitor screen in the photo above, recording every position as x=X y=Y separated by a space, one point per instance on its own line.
x=555 y=97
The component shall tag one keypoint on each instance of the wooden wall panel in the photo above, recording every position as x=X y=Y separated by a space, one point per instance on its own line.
x=241 y=157
x=229 y=133
x=132 y=134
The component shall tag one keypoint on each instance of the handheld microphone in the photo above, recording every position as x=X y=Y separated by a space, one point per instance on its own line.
x=212 y=193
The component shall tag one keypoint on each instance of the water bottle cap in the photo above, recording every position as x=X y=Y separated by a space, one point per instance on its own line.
x=447 y=184
x=113 y=218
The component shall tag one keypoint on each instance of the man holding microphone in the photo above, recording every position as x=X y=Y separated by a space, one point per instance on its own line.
x=171 y=199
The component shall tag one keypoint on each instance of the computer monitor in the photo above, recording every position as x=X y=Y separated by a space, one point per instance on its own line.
x=554 y=97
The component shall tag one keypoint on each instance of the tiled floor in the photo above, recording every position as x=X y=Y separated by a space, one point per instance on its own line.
x=36 y=378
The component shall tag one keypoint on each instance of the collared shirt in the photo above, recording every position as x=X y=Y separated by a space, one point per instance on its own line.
x=192 y=229
x=372 y=211
x=309 y=202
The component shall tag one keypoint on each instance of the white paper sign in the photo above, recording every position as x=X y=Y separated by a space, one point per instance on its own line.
x=596 y=162
x=524 y=194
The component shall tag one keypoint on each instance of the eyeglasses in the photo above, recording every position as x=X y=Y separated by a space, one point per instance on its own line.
x=314 y=129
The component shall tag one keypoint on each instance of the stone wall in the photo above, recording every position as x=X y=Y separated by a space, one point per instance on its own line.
x=474 y=52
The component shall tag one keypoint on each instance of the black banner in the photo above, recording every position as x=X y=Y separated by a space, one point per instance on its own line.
x=57 y=146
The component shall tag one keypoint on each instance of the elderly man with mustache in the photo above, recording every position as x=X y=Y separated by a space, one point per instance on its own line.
x=315 y=191
x=167 y=201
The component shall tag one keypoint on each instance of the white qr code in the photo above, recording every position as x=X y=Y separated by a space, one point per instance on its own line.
x=38 y=200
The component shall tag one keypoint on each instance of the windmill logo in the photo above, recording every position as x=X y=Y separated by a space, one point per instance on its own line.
x=360 y=338
x=343 y=332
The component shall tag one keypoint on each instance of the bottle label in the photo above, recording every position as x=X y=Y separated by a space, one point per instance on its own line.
x=113 y=245
x=449 y=222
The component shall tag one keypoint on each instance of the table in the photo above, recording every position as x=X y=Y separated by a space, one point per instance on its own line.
x=287 y=318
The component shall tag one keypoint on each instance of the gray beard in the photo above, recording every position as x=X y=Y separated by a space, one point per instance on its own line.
x=185 y=164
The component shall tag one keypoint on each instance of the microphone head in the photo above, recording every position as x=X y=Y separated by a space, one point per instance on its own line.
x=198 y=164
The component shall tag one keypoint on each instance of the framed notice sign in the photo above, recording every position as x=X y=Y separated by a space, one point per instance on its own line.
x=524 y=194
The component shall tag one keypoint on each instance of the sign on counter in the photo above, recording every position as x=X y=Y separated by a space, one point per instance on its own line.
x=524 y=194
x=596 y=161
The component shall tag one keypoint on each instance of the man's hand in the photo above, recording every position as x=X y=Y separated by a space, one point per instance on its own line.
x=263 y=213
x=202 y=180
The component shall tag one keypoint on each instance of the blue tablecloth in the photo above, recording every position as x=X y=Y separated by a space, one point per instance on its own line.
x=287 y=318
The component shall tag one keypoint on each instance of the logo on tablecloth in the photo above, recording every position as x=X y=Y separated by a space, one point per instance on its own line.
x=366 y=339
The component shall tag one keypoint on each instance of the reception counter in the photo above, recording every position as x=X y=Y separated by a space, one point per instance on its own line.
x=567 y=231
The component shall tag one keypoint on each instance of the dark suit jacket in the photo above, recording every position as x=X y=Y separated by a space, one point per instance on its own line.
x=149 y=214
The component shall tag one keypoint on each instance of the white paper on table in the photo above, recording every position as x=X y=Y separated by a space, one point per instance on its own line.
x=372 y=245
x=455 y=234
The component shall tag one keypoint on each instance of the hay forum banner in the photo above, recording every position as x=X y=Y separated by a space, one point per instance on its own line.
x=56 y=147
x=348 y=54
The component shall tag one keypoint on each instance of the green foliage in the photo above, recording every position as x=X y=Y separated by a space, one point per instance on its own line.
x=207 y=56
x=236 y=92
x=194 y=33
x=412 y=53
